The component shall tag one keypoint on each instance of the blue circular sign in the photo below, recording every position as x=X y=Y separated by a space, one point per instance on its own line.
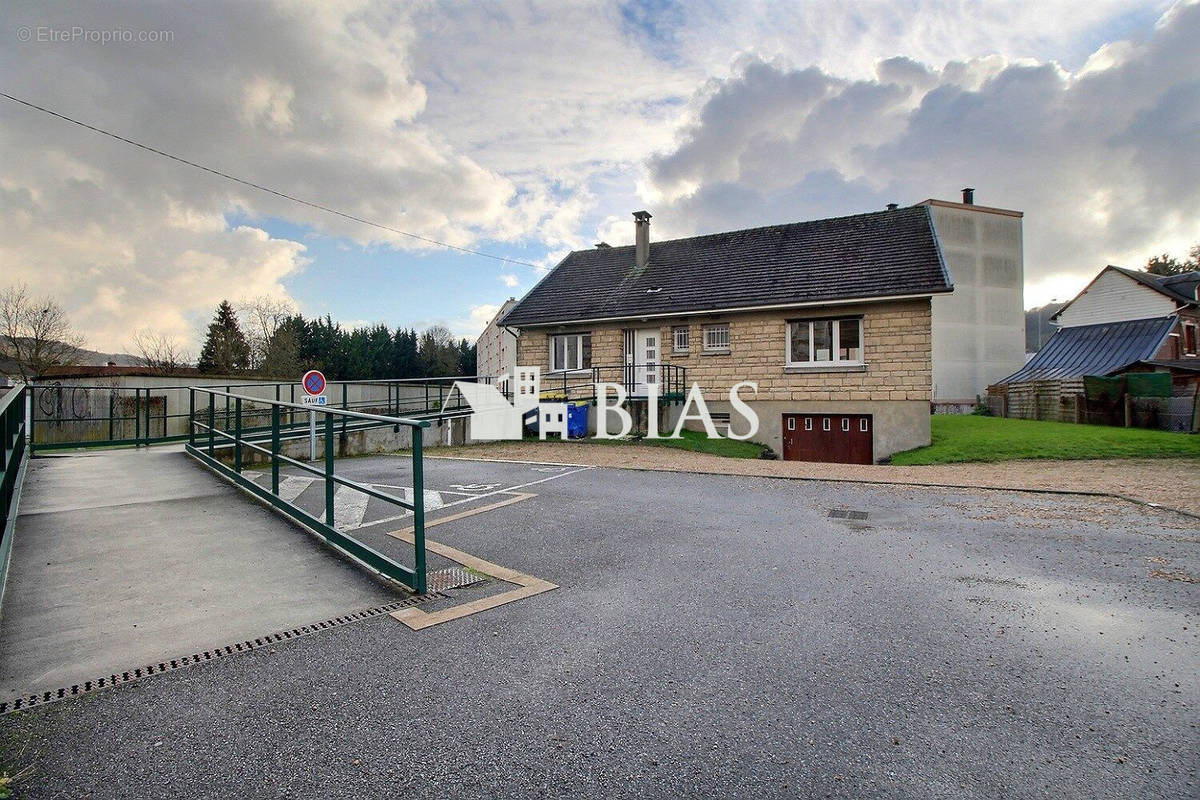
x=313 y=382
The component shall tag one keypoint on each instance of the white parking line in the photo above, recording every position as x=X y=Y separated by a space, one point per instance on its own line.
x=473 y=498
x=350 y=505
x=349 y=508
x=290 y=488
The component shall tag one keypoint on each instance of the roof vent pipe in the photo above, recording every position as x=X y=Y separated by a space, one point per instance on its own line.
x=968 y=197
x=641 y=231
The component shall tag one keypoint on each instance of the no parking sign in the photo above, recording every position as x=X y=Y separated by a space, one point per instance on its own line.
x=313 y=382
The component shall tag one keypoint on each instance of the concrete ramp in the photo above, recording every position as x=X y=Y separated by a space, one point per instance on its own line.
x=123 y=558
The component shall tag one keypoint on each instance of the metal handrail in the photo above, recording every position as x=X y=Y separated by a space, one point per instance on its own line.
x=49 y=382
x=13 y=456
x=241 y=439
x=342 y=412
x=146 y=415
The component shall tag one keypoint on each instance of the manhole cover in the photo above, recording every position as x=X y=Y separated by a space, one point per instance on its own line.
x=440 y=580
x=842 y=513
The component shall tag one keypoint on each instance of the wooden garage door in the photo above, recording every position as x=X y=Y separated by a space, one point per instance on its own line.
x=835 y=438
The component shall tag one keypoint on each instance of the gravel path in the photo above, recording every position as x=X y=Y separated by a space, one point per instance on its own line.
x=1170 y=482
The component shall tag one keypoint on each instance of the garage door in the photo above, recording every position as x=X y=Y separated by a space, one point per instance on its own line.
x=836 y=438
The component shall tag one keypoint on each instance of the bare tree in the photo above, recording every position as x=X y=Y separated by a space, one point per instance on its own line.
x=161 y=353
x=262 y=317
x=35 y=332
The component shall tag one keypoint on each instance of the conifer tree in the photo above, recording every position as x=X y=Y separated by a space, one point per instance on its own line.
x=226 y=349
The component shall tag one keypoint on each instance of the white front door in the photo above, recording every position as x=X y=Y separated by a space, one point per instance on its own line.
x=647 y=350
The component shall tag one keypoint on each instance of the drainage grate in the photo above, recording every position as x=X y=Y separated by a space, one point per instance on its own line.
x=842 y=513
x=443 y=580
x=42 y=698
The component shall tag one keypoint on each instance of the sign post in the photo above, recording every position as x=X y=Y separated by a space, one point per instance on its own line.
x=313 y=383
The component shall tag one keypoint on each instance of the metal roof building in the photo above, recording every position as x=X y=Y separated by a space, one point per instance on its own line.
x=1095 y=350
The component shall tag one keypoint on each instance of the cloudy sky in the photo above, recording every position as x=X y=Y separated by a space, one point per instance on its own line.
x=526 y=129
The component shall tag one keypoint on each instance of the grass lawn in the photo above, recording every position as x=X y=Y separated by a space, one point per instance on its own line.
x=690 y=440
x=959 y=438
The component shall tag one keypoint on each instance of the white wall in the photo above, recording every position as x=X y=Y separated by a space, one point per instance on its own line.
x=978 y=331
x=1114 y=298
x=496 y=348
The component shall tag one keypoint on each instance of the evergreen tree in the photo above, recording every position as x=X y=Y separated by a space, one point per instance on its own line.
x=406 y=361
x=358 y=355
x=439 y=353
x=379 y=350
x=466 y=358
x=226 y=349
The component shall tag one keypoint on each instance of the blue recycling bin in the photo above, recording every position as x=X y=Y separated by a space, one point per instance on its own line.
x=577 y=420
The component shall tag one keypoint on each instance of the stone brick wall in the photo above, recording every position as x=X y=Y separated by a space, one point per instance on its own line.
x=896 y=342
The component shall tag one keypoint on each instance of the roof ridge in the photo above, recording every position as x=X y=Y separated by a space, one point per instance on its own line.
x=755 y=229
x=1152 y=281
x=1118 y=322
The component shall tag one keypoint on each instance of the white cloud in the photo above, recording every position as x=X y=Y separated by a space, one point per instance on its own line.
x=547 y=123
x=470 y=327
x=1102 y=162
x=315 y=99
x=510 y=280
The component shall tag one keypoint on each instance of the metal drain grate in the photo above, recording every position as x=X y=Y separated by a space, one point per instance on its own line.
x=443 y=580
x=42 y=698
x=842 y=513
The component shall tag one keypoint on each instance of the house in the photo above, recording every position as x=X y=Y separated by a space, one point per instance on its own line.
x=496 y=347
x=1123 y=321
x=832 y=318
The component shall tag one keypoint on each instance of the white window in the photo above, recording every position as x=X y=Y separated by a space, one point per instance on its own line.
x=716 y=337
x=825 y=424
x=845 y=424
x=808 y=423
x=825 y=342
x=1189 y=339
x=681 y=338
x=791 y=423
x=862 y=425
x=570 y=351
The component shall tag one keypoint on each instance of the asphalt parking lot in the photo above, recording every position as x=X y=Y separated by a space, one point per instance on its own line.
x=711 y=635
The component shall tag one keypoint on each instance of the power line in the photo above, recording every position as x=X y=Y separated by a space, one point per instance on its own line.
x=262 y=188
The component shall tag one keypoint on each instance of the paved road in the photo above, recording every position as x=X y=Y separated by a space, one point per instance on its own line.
x=713 y=636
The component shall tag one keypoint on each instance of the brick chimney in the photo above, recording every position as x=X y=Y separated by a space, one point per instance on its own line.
x=641 y=225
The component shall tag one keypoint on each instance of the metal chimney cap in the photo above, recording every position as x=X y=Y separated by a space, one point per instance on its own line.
x=968 y=195
x=641 y=216
x=892 y=206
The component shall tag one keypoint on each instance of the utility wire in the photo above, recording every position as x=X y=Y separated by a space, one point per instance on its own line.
x=262 y=188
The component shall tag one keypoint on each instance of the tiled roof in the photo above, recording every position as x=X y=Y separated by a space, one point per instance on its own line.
x=1095 y=349
x=882 y=254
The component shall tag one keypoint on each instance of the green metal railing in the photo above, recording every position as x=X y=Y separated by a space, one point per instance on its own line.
x=70 y=415
x=213 y=445
x=12 y=450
